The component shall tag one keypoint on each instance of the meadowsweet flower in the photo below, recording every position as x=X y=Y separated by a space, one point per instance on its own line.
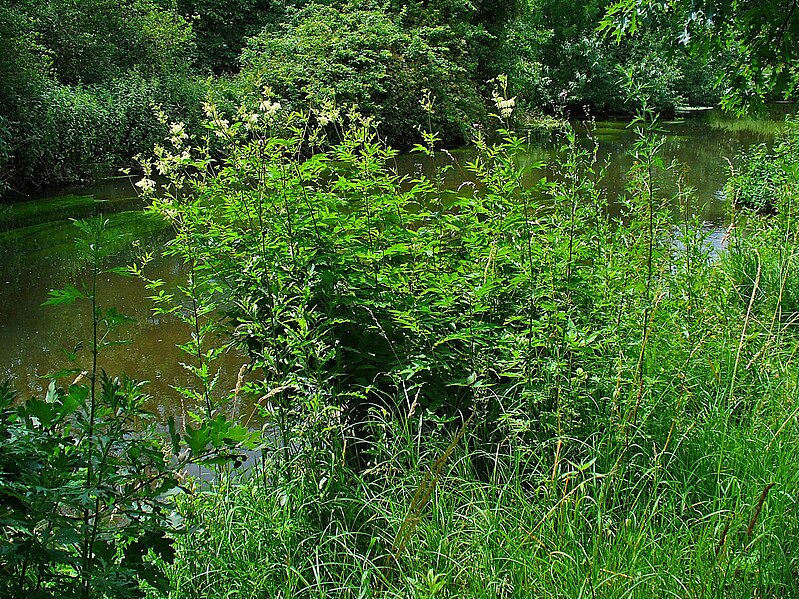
x=427 y=100
x=222 y=127
x=145 y=184
x=249 y=119
x=503 y=104
x=327 y=113
x=178 y=131
x=269 y=108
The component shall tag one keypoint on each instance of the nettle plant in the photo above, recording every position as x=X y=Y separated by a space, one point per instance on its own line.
x=87 y=479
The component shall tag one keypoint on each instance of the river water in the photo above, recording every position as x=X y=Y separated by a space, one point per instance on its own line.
x=37 y=254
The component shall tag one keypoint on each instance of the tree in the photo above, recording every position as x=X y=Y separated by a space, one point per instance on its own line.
x=759 y=38
x=364 y=57
x=222 y=27
x=94 y=41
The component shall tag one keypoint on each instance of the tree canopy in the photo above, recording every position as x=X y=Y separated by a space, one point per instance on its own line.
x=758 y=38
x=79 y=80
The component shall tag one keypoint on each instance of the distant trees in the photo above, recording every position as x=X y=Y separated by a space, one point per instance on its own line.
x=78 y=80
x=373 y=60
x=92 y=41
x=556 y=58
x=221 y=27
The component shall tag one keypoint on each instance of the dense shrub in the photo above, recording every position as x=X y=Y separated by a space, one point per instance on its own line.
x=556 y=59
x=764 y=178
x=94 y=41
x=222 y=27
x=78 y=82
x=68 y=133
x=363 y=57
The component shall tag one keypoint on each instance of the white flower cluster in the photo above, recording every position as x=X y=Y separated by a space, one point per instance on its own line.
x=504 y=104
x=177 y=132
x=220 y=126
x=145 y=184
x=178 y=156
x=427 y=101
x=328 y=113
x=268 y=108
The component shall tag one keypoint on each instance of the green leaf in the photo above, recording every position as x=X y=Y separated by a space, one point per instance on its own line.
x=197 y=438
x=173 y=435
x=67 y=295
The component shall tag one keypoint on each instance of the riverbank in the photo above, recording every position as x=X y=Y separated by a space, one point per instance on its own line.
x=646 y=449
x=519 y=387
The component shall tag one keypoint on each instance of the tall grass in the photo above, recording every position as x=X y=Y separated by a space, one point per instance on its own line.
x=686 y=526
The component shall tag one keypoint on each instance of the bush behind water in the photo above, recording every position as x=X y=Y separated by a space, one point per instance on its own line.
x=69 y=133
x=763 y=176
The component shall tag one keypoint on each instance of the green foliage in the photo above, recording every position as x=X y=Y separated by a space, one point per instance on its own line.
x=756 y=38
x=333 y=291
x=73 y=471
x=473 y=31
x=764 y=178
x=513 y=533
x=632 y=400
x=22 y=67
x=98 y=40
x=24 y=62
x=68 y=133
x=566 y=64
x=78 y=82
x=79 y=79
x=222 y=27
x=87 y=481
x=364 y=57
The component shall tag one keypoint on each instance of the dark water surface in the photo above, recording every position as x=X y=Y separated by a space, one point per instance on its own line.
x=37 y=254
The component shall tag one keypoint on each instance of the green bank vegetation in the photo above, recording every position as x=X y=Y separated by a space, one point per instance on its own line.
x=491 y=391
x=762 y=172
x=495 y=390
